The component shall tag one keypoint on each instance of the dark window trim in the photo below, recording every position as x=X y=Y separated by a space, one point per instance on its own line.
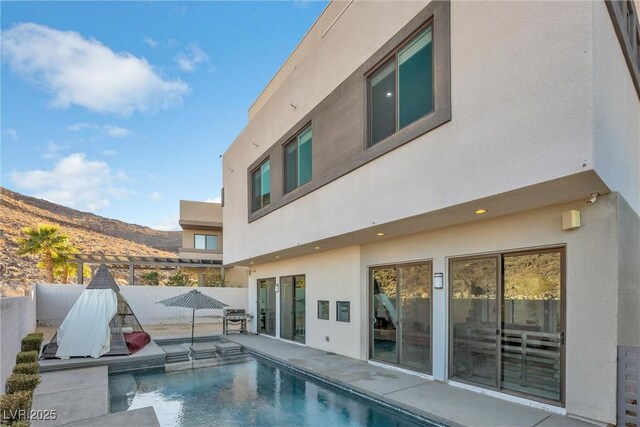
x=205 y=241
x=499 y=256
x=394 y=55
x=328 y=306
x=252 y=170
x=618 y=10
x=294 y=139
x=436 y=11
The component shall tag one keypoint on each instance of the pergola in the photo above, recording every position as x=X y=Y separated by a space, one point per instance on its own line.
x=130 y=261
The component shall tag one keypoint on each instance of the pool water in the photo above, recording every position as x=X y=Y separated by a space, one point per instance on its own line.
x=244 y=394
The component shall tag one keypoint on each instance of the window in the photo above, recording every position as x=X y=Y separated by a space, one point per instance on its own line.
x=297 y=161
x=323 y=310
x=343 y=311
x=205 y=241
x=401 y=90
x=261 y=179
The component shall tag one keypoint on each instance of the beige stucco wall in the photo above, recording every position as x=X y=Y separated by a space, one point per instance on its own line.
x=236 y=277
x=188 y=239
x=592 y=263
x=332 y=276
x=200 y=211
x=628 y=275
x=616 y=111
x=520 y=117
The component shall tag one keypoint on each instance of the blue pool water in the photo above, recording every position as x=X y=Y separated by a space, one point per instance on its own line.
x=244 y=394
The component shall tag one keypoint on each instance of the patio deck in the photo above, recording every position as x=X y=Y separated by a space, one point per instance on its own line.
x=80 y=397
x=430 y=399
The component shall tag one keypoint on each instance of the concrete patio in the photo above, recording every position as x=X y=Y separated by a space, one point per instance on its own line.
x=431 y=399
x=80 y=397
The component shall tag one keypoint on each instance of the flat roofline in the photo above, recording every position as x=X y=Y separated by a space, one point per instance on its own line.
x=290 y=55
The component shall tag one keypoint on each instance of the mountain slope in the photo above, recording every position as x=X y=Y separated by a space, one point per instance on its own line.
x=91 y=233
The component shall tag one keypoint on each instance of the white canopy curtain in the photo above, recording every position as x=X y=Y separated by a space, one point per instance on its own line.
x=85 y=330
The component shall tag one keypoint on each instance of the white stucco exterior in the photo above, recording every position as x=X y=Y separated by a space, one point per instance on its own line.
x=544 y=113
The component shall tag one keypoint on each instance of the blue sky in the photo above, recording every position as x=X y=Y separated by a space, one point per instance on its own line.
x=123 y=108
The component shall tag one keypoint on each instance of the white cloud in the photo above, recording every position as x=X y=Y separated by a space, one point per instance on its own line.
x=86 y=73
x=214 y=200
x=12 y=134
x=151 y=42
x=155 y=196
x=116 y=131
x=52 y=150
x=76 y=182
x=109 y=130
x=191 y=58
x=168 y=224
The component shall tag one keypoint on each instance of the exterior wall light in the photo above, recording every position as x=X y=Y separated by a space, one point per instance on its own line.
x=380 y=234
x=480 y=211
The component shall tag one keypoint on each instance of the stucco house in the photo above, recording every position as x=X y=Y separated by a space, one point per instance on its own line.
x=451 y=189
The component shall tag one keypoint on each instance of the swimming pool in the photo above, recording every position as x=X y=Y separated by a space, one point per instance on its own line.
x=254 y=392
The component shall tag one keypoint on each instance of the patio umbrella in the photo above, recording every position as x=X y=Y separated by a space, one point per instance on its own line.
x=194 y=300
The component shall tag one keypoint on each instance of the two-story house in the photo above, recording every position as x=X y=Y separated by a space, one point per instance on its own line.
x=201 y=224
x=451 y=189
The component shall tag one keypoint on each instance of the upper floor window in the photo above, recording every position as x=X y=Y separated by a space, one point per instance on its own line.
x=297 y=161
x=261 y=183
x=205 y=241
x=400 y=91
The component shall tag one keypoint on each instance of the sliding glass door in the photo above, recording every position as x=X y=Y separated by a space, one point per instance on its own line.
x=401 y=315
x=267 y=306
x=292 y=308
x=507 y=327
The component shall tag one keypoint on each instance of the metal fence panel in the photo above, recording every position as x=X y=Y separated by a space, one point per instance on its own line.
x=628 y=386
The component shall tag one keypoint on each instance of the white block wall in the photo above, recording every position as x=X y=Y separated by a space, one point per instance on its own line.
x=17 y=319
x=55 y=301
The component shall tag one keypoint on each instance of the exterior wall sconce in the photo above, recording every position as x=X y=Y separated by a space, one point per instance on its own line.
x=570 y=220
x=277 y=287
x=438 y=280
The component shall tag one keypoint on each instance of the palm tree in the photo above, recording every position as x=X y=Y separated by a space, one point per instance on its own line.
x=45 y=241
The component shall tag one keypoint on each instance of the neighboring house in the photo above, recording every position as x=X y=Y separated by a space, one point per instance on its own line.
x=451 y=189
x=201 y=224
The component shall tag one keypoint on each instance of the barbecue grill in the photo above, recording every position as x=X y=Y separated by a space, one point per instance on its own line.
x=234 y=316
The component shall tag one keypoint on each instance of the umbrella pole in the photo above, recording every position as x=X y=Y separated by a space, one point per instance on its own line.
x=193 y=321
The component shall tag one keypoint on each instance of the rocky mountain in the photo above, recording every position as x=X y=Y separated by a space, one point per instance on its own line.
x=90 y=233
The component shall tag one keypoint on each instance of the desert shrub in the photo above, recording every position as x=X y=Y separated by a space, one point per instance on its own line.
x=32 y=342
x=27 y=368
x=21 y=382
x=27 y=357
x=151 y=278
x=14 y=408
x=180 y=278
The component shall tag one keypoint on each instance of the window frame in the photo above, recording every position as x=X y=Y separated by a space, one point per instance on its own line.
x=393 y=56
x=295 y=140
x=348 y=305
x=328 y=304
x=258 y=169
x=196 y=235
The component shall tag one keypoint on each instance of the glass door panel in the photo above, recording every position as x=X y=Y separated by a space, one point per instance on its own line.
x=474 y=320
x=286 y=307
x=531 y=325
x=267 y=306
x=299 y=308
x=414 y=282
x=383 y=342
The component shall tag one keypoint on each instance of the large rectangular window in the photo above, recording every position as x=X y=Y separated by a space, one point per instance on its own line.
x=507 y=322
x=261 y=179
x=297 y=161
x=401 y=314
x=205 y=241
x=401 y=90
